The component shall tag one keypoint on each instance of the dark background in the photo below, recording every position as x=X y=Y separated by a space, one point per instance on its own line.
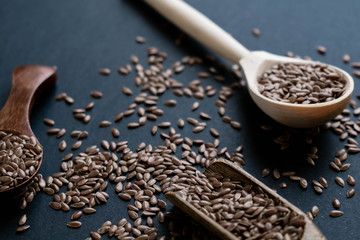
x=79 y=37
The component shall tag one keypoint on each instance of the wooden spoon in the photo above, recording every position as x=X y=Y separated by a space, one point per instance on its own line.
x=28 y=82
x=230 y=170
x=253 y=64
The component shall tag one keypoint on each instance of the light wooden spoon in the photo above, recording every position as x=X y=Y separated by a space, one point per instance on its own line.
x=253 y=64
x=235 y=173
x=28 y=82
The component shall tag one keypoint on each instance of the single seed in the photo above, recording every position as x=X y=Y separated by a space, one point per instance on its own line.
x=256 y=32
x=350 y=192
x=339 y=181
x=115 y=132
x=49 y=122
x=265 y=172
x=127 y=90
x=336 y=203
x=195 y=106
x=104 y=71
x=336 y=213
x=76 y=145
x=140 y=39
x=346 y=58
x=22 y=219
x=62 y=145
x=235 y=124
x=315 y=211
x=356 y=74
x=96 y=94
x=22 y=228
x=351 y=180
x=170 y=102
x=276 y=173
x=205 y=116
x=76 y=215
x=104 y=123
x=321 y=49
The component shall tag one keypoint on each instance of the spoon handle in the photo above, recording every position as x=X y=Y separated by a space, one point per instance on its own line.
x=28 y=81
x=200 y=28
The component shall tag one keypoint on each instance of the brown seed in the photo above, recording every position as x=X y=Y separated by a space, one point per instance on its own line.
x=195 y=106
x=96 y=94
x=180 y=123
x=336 y=213
x=49 y=122
x=76 y=215
x=89 y=106
x=62 y=145
x=205 y=116
x=235 y=124
x=303 y=183
x=339 y=181
x=95 y=235
x=356 y=74
x=355 y=64
x=256 y=32
x=104 y=123
x=74 y=224
x=276 y=173
x=214 y=132
x=283 y=185
x=346 y=58
x=22 y=219
x=265 y=172
x=69 y=100
x=350 y=192
x=104 y=71
x=22 y=228
x=336 y=203
x=76 y=145
x=115 y=132
x=60 y=96
x=170 y=102
x=127 y=90
x=140 y=39
x=323 y=182
x=61 y=132
x=351 y=180
x=321 y=49
x=315 y=211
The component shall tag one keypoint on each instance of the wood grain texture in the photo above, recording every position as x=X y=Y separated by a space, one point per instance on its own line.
x=227 y=169
x=28 y=82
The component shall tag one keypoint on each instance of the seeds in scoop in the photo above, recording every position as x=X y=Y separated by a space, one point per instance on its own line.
x=350 y=192
x=104 y=71
x=22 y=228
x=306 y=87
x=336 y=213
x=49 y=122
x=22 y=219
x=321 y=49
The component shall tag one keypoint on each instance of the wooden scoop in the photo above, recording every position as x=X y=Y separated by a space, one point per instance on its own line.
x=227 y=169
x=28 y=82
x=253 y=64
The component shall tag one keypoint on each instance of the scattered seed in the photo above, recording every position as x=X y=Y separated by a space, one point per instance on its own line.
x=321 y=49
x=346 y=58
x=336 y=203
x=104 y=71
x=140 y=39
x=256 y=32
x=23 y=228
x=104 y=123
x=49 y=122
x=351 y=180
x=350 y=192
x=339 y=181
x=336 y=213
x=22 y=220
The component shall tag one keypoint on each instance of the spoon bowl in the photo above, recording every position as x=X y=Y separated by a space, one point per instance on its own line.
x=290 y=114
x=28 y=82
x=253 y=64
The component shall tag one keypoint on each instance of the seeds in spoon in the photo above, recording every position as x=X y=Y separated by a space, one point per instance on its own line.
x=301 y=83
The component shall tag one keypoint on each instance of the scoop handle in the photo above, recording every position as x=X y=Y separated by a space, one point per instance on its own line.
x=28 y=81
x=200 y=28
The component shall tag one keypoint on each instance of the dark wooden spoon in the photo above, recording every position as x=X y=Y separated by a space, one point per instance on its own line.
x=28 y=82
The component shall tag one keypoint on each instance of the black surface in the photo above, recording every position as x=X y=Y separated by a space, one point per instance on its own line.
x=81 y=36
